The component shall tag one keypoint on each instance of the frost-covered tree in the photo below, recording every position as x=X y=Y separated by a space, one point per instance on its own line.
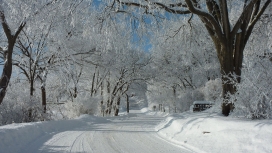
x=228 y=22
x=182 y=67
x=121 y=68
x=44 y=44
x=253 y=98
x=31 y=55
x=38 y=52
x=115 y=66
x=14 y=16
x=7 y=52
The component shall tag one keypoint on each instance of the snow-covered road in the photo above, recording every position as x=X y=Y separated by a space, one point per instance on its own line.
x=140 y=132
x=125 y=134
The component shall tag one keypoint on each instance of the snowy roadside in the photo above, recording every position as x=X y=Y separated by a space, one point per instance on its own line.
x=196 y=132
x=213 y=133
x=89 y=134
x=18 y=135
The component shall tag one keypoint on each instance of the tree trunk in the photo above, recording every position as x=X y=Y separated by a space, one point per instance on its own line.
x=7 y=70
x=110 y=104
x=31 y=87
x=102 y=102
x=228 y=89
x=127 y=103
x=92 y=88
x=116 y=111
x=43 y=99
x=109 y=96
x=175 y=99
x=230 y=55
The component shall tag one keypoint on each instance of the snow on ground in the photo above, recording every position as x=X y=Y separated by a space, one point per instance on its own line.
x=214 y=133
x=15 y=137
x=128 y=133
x=140 y=131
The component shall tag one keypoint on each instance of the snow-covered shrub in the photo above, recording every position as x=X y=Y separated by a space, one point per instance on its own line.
x=212 y=89
x=187 y=98
x=71 y=110
x=254 y=97
x=18 y=106
x=81 y=105
x=89 y=105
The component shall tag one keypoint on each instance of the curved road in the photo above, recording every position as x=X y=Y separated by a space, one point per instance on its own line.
x=134 y=134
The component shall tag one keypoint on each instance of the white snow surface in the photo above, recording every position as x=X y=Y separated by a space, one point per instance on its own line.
x=140 y=131
x=214 y=133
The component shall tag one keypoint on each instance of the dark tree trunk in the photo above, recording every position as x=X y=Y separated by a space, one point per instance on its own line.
x=7 y=68
x=75 y=92
x=175 y=98
x=102 y=102
x=31 y=87
x=127 y=103
x=92 y=88
x=43 y=99
x=94 y=81
x=110 y=105
x=109 y=97
x=230 y=70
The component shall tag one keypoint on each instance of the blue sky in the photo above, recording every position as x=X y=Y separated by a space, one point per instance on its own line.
x=135 y=36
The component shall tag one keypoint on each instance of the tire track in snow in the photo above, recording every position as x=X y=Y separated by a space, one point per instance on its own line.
x=78 y=138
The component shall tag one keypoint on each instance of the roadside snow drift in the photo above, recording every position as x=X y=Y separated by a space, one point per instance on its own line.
x=213 y=133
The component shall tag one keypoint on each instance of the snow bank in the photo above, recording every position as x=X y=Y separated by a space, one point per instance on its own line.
x=213 y=133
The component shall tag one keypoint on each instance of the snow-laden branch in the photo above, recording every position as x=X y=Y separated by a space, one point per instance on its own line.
x=209 y=18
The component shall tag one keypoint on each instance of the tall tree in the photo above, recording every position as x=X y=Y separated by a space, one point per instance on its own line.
x=7 y=52
x=14 y=16
x=182 y=67
x=229 y=38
